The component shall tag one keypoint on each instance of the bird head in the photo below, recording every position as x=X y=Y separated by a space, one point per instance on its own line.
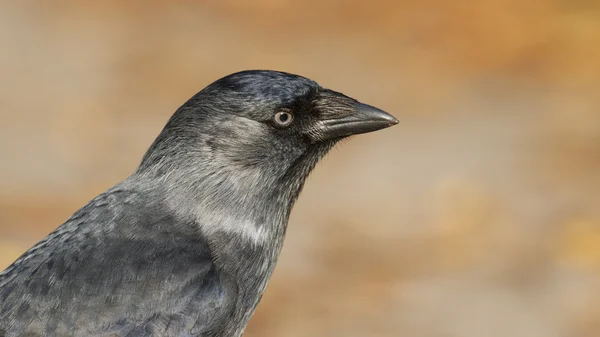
x=290 y=107
x=254 y=135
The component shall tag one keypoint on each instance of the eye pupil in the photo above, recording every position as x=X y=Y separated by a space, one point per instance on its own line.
x=283 y=118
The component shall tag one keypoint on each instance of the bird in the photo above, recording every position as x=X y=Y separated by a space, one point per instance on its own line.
x=185 y=245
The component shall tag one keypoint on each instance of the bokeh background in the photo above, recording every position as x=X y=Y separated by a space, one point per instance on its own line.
x=477 y=215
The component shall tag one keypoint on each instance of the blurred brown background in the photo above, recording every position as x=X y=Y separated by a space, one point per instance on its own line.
x=478 y=215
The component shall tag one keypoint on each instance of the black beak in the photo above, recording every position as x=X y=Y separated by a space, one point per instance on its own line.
x=365 y=118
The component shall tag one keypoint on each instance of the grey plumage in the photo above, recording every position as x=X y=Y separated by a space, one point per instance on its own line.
x=185 y=245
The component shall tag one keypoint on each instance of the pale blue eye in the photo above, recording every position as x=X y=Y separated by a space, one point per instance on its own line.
x=284 y=118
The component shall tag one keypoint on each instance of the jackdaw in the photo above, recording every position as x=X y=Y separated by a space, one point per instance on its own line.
x=186 y=244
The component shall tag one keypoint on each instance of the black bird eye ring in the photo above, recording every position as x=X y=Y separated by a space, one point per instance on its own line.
x=283 y=118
